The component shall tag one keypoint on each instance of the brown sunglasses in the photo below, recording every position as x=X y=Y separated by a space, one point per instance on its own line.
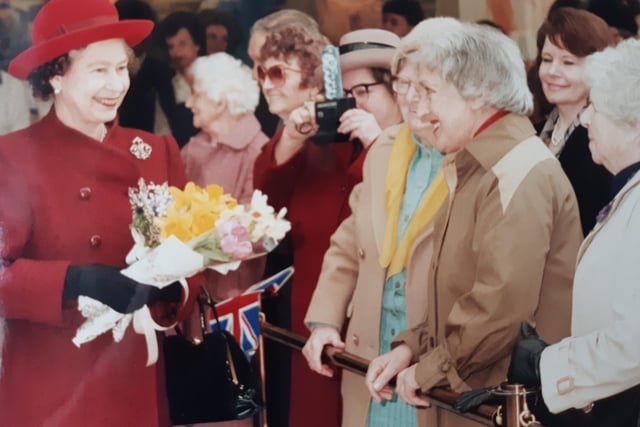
x=275 y=73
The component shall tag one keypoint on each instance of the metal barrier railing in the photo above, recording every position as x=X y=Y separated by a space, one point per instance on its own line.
x=512 y=413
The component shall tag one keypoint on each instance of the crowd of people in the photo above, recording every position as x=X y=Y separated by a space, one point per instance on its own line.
x=468 y=221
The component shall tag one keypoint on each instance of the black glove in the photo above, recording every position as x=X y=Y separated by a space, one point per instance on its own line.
x=525 y=358
x=107 y=285
x=470 y=400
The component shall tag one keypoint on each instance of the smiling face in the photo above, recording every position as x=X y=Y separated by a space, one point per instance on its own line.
x=94 y=85
x=414 y=106
x=288 y=96
x=561 y=74
x=205 y=111
x=453 y=118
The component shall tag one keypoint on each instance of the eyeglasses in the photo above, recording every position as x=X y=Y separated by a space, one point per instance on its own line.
x=276 y=74
x=402 y=86
x=360 y=92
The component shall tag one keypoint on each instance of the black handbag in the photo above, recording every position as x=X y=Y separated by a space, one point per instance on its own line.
x=212 y=380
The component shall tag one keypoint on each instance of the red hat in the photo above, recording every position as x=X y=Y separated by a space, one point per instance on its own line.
x=64 y=25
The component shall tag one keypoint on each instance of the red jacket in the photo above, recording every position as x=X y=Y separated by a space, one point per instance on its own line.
x=314 y=185
x=63 y=200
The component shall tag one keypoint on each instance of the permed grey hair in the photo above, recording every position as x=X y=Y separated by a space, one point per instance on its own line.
x=614 y=78
x=223 y=77
x=479 y=61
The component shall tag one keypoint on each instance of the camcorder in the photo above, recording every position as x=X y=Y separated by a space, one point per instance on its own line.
x=328 y=112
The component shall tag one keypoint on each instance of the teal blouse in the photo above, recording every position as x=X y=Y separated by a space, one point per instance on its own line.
x=422 y=170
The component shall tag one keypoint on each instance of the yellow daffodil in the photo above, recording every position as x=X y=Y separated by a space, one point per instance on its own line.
x=194 y=211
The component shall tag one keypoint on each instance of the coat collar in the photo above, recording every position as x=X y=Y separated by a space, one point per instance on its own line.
x=238 y=138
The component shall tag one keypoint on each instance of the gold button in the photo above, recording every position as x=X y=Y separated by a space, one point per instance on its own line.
x=355 y=339
x=95 y=241
x=361 y=253
x=85 y=193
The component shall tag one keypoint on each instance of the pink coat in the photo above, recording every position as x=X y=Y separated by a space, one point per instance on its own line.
x=63 y=200
x=228 y=161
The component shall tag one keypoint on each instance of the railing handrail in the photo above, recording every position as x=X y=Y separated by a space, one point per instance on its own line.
x=439 y=396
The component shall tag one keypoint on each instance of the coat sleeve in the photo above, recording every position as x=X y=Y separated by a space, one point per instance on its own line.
x=582 y=369
x=29 y=289
x=277 y=181
x=511 y=236
x=339 y=274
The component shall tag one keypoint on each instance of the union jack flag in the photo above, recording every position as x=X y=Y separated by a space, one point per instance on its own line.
x=240 y=315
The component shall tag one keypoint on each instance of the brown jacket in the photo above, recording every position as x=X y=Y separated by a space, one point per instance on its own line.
x=505 y=249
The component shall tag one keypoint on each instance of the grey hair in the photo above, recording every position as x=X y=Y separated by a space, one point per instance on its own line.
x=613 y=76
x=223 y=77
x=479 y=61
x=284 y=18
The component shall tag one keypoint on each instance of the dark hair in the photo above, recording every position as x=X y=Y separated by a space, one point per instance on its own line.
x=176 y=21
x=209 y=17
x=295 y=42
x=578 y=31
x=577 y=4
x=382 y=75
x=490 y=23
x=617 y=13
x=135 y=9
x=40 y=76
x=409 y=9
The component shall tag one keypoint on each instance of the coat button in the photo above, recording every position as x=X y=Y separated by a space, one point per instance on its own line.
x=85 y=193
x=361 y=253
x=355 y=339
x=95 y=241
x=445 y=366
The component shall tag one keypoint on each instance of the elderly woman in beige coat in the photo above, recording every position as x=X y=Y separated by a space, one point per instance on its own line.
x=507 y=235
x=372 y=276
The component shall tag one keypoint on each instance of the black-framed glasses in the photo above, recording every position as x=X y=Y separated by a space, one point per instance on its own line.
x=359 y=92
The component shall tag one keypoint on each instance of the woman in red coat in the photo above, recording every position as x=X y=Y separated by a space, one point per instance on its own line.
x=314 y=181
x=64 y=228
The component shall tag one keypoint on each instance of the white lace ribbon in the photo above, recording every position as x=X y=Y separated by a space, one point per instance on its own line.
x=170 y=262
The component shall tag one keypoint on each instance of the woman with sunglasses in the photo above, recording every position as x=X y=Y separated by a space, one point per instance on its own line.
x=313 y=181
x=64 y=228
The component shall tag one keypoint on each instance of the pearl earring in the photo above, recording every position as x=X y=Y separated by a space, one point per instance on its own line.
x=56 y=91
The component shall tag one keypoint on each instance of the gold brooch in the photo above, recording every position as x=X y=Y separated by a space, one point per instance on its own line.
x=140 y=149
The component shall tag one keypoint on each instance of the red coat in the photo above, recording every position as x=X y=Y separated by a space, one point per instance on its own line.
x=314 y=185
x=63 y=200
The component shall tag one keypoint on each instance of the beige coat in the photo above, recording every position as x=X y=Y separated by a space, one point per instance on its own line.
x=505 y=247
x=351 y=283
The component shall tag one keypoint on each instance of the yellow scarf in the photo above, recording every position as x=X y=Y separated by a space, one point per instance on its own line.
x=394 y=257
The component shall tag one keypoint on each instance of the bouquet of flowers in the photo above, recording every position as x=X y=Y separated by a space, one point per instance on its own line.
x=178 y=233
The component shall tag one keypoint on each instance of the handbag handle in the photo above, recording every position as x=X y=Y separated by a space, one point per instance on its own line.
x=203 y=323
x=204 y=299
